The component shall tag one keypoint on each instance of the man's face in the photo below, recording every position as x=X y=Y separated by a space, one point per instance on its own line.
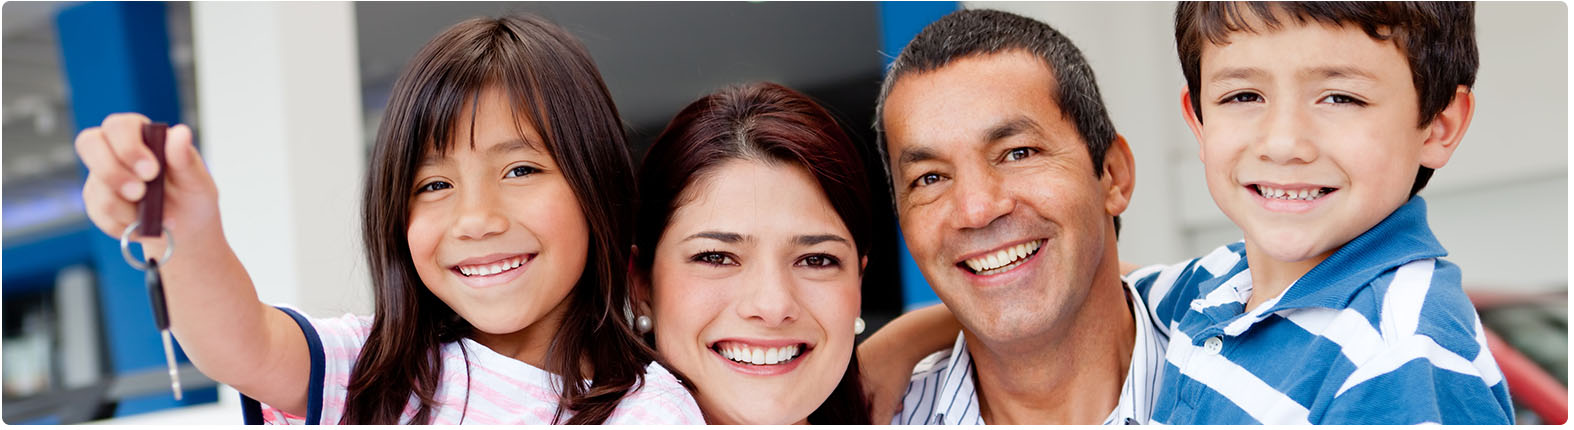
x=996 y=193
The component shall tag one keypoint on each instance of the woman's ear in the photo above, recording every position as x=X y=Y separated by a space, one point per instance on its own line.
x=639 y=285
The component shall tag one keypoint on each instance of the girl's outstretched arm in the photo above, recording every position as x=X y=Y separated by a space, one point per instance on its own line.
x=887 y=357
x=213 y=308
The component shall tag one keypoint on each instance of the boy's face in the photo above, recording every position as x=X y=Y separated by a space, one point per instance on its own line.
x=1309 y=135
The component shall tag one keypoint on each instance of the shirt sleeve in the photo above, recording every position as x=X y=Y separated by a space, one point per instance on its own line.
x=335 y=344
x=660 y=400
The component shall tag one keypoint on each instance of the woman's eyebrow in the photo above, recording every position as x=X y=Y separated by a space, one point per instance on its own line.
x=813 y=239
x=717 y=235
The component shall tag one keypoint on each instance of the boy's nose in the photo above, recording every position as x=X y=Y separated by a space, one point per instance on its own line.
x=1287 y=138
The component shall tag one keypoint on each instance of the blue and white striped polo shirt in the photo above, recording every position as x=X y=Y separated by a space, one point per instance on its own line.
x=1379 y=333
x=942 y=390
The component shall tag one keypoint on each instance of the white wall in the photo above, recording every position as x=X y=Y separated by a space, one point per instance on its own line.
x=1500 y=206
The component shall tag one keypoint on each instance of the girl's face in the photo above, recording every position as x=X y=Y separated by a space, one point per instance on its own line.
x=756 y=285
x=495 y=231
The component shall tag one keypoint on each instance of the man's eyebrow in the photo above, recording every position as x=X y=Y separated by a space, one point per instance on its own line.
x=1010 y=127
x=813 y=239
x=717 y=235
x=915 y=155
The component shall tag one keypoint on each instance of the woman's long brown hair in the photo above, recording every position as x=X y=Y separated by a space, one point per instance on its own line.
x=552 y=83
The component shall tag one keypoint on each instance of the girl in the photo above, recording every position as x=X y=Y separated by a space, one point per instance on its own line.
x=753 y=236
x=495 y=224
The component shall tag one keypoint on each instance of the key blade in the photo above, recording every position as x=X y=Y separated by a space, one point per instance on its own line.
x=169 y=357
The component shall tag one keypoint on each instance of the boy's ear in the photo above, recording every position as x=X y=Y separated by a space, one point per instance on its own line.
x=1447 y=128
x=1120 y=171
x=1193 y=118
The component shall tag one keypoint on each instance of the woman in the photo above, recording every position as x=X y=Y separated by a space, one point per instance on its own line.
x=752 y=237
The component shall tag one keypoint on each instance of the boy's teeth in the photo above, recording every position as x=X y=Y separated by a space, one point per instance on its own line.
x=758 y=356
x=1000 y=259
x=1301 y=194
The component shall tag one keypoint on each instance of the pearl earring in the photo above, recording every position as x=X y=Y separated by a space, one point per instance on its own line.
x=643 y=324
x=858 y=326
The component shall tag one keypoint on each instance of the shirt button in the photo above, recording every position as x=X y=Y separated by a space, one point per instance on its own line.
x=1213 y=345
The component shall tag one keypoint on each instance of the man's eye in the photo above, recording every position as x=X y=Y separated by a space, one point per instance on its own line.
x=519 y=171
x=1020 y=153
x=926 y=179
x=433 y=186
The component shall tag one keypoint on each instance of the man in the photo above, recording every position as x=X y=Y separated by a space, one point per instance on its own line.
x=1009 y=179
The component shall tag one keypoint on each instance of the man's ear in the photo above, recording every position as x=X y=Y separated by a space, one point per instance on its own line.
x=1447 y=128
x=639 y=286
x=1120 y=172
x=1193 y=118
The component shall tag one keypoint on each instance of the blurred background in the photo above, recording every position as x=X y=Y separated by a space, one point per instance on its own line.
x=286 y=99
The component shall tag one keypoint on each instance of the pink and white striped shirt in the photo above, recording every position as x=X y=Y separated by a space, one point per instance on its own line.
x=501 y=390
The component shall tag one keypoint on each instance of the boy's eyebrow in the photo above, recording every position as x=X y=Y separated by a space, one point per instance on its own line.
x=1331 y=72
x=1237 y=73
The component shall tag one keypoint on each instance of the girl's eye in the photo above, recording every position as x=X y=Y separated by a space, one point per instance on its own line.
x=820 y=261
x=925 y=180
x=520 y=171
x=433 y=186
x=714 y=259
x=1242 y=97
x=1020 y=153
x=1340 y=99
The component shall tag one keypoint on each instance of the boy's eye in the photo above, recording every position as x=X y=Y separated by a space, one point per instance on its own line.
x=1242 y=97
x=925 y=180
x=714 y=259
x=1020 y=153
x=520 y=171
x=820 y=261
x=433 y=186
x=1340 y=99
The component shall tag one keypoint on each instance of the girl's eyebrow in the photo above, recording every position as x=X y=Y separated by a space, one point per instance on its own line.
x=517 y=144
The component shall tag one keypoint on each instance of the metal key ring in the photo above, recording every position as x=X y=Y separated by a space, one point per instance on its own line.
x=125 y=246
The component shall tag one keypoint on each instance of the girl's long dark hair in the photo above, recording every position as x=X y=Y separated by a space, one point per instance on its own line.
x=764 y=122
x=553 y=84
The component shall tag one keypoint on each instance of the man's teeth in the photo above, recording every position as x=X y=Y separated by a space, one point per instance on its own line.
x=1282 y=194
x=757 y=356
x=1002 y=260
x=492 y=269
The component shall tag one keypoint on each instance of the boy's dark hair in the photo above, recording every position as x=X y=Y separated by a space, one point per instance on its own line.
x=978 y=32
x=1437 y=38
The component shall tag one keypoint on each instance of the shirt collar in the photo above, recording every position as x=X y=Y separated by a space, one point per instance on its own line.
x=1402 y=237
x=957 y=402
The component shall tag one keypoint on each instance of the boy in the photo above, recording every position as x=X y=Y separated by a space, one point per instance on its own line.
x=1317 y=125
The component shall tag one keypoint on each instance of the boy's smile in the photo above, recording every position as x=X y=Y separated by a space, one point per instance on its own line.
x=1309 y=137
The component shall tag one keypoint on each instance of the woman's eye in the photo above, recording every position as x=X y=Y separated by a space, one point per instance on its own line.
x=1020 y=153
x=519 y=171
x=820 y=260
x=433 y=186
x=926 y=179
x=715 y=259
x=1244 y=97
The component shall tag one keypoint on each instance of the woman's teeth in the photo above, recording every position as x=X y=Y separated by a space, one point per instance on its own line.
x=1301 y=194
x=1003 y=260
x=492 y=269
x=757 y=356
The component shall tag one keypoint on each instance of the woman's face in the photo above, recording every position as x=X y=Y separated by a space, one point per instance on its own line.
x=495 y=231
x=756 y=286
